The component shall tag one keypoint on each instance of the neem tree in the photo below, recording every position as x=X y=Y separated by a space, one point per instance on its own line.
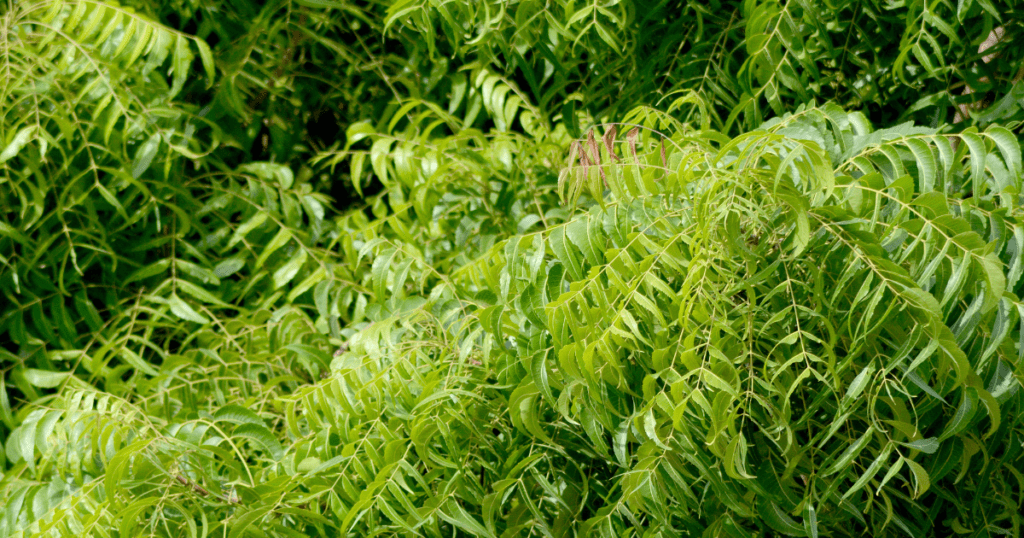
x=558 y=313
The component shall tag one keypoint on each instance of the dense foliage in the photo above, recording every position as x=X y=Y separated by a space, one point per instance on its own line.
x=398 y=267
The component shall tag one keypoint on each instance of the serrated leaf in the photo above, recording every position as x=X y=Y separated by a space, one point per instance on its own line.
x=870 y=472
x=928 y=446
x=254 y=222
x=262 y=436
x=180 y=63
x=145 y=154
x=20 y=139
x=45 y=379
x=280 y=239
x=921 y=479
x=1008 y=147
x=126 y=37
x=208 y=64
x=851 y=452
x=811 y=521
x=199 y=293
x=228 y=267
x=778 y=519
x=277 y=173
x=287 y=272
x=184 y=311
x=858 y=384
x=152 y=270
x=964 y=414
x=456 y=515
x=237 y=414
x=379 y=272
x=241 y=523
x=141 y=43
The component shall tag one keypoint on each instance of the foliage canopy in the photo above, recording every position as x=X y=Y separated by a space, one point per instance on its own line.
x=496 y=269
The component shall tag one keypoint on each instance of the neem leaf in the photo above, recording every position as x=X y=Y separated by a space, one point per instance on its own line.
x=995 y=280
x=811 y=521
x=263 y=437
x=18 y=142
x=145 y=155
x=921 y=479
x=928 y=446
x=184 y=311
x=45 y=379
x=287 y=272
x=870 y=472
x=858 y=384
x=779 y=520
x=851 y=452
x=964 y=413
x=246 y=520
x=237 y=414
x=207 y=58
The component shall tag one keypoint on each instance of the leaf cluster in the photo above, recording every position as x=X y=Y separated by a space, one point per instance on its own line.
x=609 y=271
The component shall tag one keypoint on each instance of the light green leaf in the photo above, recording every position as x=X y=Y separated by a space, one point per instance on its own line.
x=19 y=141
x=858 y=385
x=45 y=379
x=237 y=414
x=287 y=272
x=457 y=516
x=851 y=452
x=242 y=523
x=928 y=446
x=184 y=311
x=870 y=472
x=921 y=479
x=281 y=239
x=277 y=173
x=262 y=436
x=145 y=154
x=208 y=64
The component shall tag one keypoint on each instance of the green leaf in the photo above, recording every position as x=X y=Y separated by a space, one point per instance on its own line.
x=262 y=437
x=198 y=293
x=586 y=238
x=243 y=522
x=870 y=472
x=963 y=416
x=277 y=173
x=381 y=266
x=921 y=479
x=928 y=446
x=184 y=311
x=811 y=521
x=995 y=280
x=45 y=379
x=237 y=414
x=857 y=386
x=978 y=154
x=280 y=239
x=180 y=64
x=228 y=267
x=20 y=139
x=208 y=64
x=778 y=520
x=287 y=272
x=851 y=452
x=150 y=270
x=145 y=154
x=1004 y=140
x=456 y=515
